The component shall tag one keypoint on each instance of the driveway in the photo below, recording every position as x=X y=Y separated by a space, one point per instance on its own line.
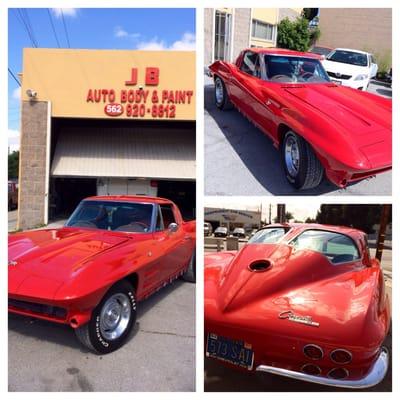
x=240 y=160
x=159 y=355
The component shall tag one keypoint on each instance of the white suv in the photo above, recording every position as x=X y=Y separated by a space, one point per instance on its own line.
x=349 y=67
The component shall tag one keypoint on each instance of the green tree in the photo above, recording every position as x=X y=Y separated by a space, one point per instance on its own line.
x=294 y=35
x=13 y=164
x=309 y=13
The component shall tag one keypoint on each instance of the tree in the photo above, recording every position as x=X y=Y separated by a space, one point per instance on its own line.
x=288 y=217
x=309 y=13
x=294 y=35
x=13 y=165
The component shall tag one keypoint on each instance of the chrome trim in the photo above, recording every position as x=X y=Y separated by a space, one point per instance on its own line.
x=373 y=377
x=333 y=369
x=318 y=347
x=313 y=365
x=346 y=351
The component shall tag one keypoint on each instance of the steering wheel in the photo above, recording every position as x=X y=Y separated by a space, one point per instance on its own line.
x=82 y=223
x=280 y=77
x=304 y=74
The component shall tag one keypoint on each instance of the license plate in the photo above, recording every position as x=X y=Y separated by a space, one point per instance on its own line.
x=336 y=81
x=236 y=352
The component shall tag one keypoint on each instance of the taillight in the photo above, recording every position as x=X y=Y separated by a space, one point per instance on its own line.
x=313 y=351
x=341 y=356
x=311 y=369
x=338 y=373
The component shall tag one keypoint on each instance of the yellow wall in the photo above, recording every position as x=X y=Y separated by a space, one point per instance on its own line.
x=269 y=15
x=64 y=77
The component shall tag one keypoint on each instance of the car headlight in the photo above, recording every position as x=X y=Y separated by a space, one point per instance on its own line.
x=360 y=77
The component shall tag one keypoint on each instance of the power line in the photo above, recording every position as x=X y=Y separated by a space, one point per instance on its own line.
x=52 y=25
x=28 y=20
x=65 y=28
x=24 y=24
x=15 y=78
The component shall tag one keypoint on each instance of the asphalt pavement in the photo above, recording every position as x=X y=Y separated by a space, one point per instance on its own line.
x=158 y=356
x=241 y=160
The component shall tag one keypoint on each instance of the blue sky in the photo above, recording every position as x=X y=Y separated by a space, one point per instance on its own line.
x=112 y=28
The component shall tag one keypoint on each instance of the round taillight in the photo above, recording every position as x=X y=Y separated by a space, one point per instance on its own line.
x=313 y=351
x=311 y=369
x=338 y=373
x=341 y=356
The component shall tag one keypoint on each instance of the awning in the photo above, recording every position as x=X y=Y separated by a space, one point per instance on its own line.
x=125 y=152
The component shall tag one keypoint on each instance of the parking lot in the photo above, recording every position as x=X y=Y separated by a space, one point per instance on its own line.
x=240 y=159
x=158 y=356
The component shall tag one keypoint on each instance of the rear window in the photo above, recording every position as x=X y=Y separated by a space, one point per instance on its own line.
x=268 y=235
x=336 y=247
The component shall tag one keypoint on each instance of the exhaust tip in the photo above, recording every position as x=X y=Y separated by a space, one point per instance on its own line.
x=260 y=265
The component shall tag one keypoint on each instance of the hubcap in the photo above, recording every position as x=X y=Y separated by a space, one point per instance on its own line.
x=219 y=91
x=115 y=316
x=292 y=156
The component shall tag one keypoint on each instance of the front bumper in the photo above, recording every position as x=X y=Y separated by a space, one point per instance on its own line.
x=374 y=376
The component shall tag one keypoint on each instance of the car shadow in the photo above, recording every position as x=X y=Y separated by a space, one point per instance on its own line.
x=220 y=378
x=256 y=151
x=64 y=335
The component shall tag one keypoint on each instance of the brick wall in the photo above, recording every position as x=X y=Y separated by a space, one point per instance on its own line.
x=208 y=35
x=368 y=29
x=32 y=178
x=241 y=34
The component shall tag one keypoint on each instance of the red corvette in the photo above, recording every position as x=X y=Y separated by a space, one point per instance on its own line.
x=319 y=126
x=302 y=301
x=113 y=252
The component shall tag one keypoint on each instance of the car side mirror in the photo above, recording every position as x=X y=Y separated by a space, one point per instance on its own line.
x=173 y=227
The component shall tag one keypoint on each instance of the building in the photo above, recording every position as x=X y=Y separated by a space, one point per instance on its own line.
x=227 y=31
x=367 y=29
x=105 y=122
x=232 y=218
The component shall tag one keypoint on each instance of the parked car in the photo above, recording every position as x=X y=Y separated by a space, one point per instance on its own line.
x=321 y=50
x=113 y=252
x=208 y=230
x=221 y=231
x=304 y=301
x=12 y=195
x=352 y=68
x=239 y=232
x=318 y=126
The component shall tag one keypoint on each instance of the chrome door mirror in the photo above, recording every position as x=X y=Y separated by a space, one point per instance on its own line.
x=173 y=227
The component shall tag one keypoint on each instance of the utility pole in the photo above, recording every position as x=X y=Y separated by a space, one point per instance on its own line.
x=281 y=213
x=380 y=241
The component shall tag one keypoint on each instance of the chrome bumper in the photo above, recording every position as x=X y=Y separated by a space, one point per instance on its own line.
x=374 y=376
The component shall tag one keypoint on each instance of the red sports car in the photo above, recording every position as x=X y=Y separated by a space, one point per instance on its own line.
x=302 y=301
x=319 y=126
x=113 y=252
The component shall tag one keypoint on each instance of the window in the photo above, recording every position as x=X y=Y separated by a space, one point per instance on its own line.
x=222 y=35
x=251 y=64
x=336 y=247
x=262 y=30
x=159 y=221
x=167 y=215
x=268 y=235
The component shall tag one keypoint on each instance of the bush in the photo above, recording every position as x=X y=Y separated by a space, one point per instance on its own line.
x=294 y=35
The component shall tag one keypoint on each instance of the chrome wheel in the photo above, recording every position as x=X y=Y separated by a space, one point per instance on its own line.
x=219 y=91
x=115 y=316
x=292 y=156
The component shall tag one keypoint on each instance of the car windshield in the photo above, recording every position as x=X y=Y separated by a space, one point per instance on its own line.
x=221 y=229
x=336 y=247
x=112 y=216
x=294 y=69
x=348 y=57
x=269 y=235
x=320 y=50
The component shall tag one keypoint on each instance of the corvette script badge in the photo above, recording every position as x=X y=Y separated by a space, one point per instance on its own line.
x=12 y=263
x=306 y=320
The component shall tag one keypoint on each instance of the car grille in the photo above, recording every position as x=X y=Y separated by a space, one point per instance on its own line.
x=338 y=76
x=43 y=309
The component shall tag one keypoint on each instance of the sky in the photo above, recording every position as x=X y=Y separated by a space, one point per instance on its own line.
x=91 y=28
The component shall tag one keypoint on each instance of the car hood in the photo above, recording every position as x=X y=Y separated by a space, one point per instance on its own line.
x=304 y=282
x=346 y=69
x=46 y=258
x=360 y=117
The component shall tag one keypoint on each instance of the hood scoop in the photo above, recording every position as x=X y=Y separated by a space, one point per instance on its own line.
x=260 y=266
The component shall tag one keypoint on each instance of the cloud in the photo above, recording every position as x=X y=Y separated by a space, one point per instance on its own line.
x=16 y=94
x=120 y=32
x=13 y=140
x=185 y=43
x=68 y=12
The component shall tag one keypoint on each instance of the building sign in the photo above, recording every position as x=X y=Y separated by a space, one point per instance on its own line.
x=229 y=215
x=141 y=101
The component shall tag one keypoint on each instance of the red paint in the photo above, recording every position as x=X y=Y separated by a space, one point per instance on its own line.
x=350 y=131
x=113 y=109
x=73 y=268
x=133 y=79
x=347 y=300
x=152 y=76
